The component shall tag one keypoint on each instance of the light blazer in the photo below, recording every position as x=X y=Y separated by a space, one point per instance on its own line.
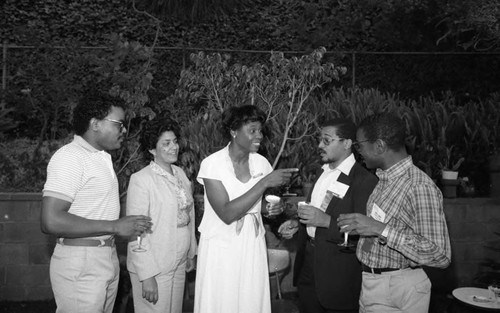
x=149 y=190
x=337 y=275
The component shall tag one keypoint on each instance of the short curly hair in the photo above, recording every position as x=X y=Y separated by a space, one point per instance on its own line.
x=345 y=128
x=94 y=105
x=235 y=117
x=152 y=132
x=386 y=126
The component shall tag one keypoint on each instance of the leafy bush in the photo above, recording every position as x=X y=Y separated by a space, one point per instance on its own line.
x=434 y=126
x=23 y=164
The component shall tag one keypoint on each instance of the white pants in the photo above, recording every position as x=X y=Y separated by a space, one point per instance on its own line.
x=170 y=283
x=407 y=291
x=84 y=279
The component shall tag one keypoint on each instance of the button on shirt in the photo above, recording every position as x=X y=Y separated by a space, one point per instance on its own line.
x=416 y=227
x=323 y=184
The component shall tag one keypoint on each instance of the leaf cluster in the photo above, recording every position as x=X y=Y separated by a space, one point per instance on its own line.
x=281 y=88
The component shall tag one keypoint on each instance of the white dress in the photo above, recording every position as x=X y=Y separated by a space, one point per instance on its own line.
x=232 y=272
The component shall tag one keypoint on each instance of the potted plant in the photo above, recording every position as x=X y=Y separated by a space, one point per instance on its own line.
x=449 y=173
x=449 y=168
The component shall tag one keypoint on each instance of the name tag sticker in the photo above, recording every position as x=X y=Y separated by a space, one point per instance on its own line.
x=377 y=213
x=338 y=189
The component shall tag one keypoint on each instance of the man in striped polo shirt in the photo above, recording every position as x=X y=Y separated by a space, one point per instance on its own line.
x=81 y=207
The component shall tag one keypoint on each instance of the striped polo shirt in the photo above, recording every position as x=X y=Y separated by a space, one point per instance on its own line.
x=81 y=174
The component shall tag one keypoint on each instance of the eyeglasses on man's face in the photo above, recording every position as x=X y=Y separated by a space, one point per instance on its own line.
x=357 y=145
x=120 y=123
x=327 y=141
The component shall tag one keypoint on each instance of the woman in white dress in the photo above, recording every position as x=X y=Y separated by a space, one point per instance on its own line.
x=232 y=272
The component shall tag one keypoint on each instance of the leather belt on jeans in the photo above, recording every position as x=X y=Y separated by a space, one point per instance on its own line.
x=378 y=270
x=110 y=242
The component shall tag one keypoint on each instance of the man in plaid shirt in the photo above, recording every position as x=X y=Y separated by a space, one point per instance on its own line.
x=405 y=226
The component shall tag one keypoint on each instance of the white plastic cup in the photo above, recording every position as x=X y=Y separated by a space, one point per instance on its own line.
x=272 y=199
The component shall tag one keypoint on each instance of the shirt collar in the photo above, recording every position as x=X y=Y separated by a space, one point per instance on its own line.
x=159 y=170
x=345 y=167
x=84 y=143
x=396 y=170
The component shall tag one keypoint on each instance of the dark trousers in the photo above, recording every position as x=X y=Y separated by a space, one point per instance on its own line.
x=308 y=300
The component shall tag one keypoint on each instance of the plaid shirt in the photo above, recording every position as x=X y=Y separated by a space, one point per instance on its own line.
x=413 y=207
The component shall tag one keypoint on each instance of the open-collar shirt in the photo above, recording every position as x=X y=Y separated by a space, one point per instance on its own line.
x=327 y=178
x=412 y=207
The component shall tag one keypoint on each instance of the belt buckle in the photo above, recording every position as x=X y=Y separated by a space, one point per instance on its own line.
x=103 y=242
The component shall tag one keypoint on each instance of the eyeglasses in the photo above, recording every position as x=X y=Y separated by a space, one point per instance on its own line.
x=357 y=145
x=327 y=141
x=122 y=126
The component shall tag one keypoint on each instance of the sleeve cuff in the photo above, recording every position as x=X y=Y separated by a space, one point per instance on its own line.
x=385 y=232
x=382 y=239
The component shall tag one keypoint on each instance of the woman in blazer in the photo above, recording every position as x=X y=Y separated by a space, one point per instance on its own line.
x=162 y=191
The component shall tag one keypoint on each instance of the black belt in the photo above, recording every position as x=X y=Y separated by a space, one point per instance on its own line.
x=378 y=270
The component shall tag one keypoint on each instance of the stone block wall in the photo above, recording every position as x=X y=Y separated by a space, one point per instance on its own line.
x=472 y=224
x=25 y=251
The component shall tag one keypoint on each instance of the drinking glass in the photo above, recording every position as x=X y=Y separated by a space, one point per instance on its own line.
x=139 y=247
x=346 y=245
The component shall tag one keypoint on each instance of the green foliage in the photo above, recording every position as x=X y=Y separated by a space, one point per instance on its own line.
x=48 y=86
x=366 y=25
x=43 y=83
x=6 y=122
x=127 y=68
x=435 y=127
x=43 y=90
x=191 y=10
x=441 y=132
x=472 y=24
x=23 y=164
x=199 y=138
x=281 y=89
x=55 y=22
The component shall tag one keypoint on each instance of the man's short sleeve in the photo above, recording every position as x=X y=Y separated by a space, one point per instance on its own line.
x=64 y=175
